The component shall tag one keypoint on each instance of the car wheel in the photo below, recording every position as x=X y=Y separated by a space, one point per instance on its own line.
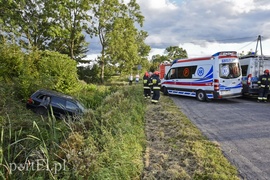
x=200 y=95
x=41 y=111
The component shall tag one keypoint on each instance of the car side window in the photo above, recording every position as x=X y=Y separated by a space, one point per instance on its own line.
x=71 y=105
x=40 y=96
x=45 y=101
x=58 y=102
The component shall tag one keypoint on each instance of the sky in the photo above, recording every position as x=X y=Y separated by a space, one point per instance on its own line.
x=204 y=27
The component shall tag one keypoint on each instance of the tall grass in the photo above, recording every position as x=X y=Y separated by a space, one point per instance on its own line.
x=106 y=144
x=120 y=135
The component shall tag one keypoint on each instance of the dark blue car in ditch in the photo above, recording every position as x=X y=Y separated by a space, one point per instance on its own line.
x=48 y=102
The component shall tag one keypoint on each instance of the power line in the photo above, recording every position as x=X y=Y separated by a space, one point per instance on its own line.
x=246 y=45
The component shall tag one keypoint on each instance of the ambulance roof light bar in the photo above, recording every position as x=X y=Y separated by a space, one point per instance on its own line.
x=226 y=53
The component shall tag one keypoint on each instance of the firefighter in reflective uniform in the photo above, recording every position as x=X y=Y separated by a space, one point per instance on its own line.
x=156 y=87
x=151 y=85
x=264 y=84
x=146 y=85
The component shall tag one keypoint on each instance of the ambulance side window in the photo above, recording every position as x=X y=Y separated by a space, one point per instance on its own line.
x=244 y=70
x=186 y=72
x=172 y=74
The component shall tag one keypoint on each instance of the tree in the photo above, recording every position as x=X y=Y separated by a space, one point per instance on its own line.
x=171 y=53
x=117 y=33
x=25 y=22
x=54 y=25
x=69 y=19
x=103 y=11
x=156 y=60
x=123 y=49
x=89 y=74
x=175 y=52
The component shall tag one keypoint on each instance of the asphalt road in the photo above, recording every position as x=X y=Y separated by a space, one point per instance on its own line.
x=241 y=126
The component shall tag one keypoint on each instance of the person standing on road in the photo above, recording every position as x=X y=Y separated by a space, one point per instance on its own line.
x=146 y=87
x=130 y=79
x=263 y=83
x=137 y=77
x=156 y=82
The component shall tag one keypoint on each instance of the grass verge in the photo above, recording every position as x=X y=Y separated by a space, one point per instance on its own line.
x=176 y=149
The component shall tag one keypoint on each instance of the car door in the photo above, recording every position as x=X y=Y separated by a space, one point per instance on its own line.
x=72 y=108
x=58 y=106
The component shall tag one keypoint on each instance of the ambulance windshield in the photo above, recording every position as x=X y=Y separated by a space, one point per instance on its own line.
x=229 y=70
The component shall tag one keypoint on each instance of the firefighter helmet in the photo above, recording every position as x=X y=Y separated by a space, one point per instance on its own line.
x=266 y=71
x=156 y=73
x=146 y=74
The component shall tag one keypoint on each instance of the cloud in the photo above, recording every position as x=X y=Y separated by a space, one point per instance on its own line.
x=205 y=25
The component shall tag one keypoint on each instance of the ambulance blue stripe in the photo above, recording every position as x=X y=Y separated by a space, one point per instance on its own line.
x=208 y=77
x=222 y=87
x=186 y=93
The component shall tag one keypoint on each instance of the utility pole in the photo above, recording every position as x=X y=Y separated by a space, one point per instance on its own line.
x=260 y=59
x=259 y=39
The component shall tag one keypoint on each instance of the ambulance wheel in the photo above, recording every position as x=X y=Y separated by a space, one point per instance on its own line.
x=165 y=91
x=201 y=95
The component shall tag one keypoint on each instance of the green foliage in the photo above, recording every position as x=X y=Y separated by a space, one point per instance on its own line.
x=38 y=69
x=121 y=42
x=171 y=53
x=175 y=52
x=156 y=60
x=57 y=72
x=106 y=143
x=26 y=22
x=51 y=25
x=11 y=61
x=63 y=26
x=89 y=75
x=120 y=135
x=68 y=20
x=210 y=162
x=92 y=95
x=29 y=79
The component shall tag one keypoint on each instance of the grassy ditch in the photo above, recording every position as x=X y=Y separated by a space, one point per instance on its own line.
x=108 y=143
x=176 y=149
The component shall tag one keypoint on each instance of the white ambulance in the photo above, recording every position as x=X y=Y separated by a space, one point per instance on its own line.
x=252 y=67
x=214 y=77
